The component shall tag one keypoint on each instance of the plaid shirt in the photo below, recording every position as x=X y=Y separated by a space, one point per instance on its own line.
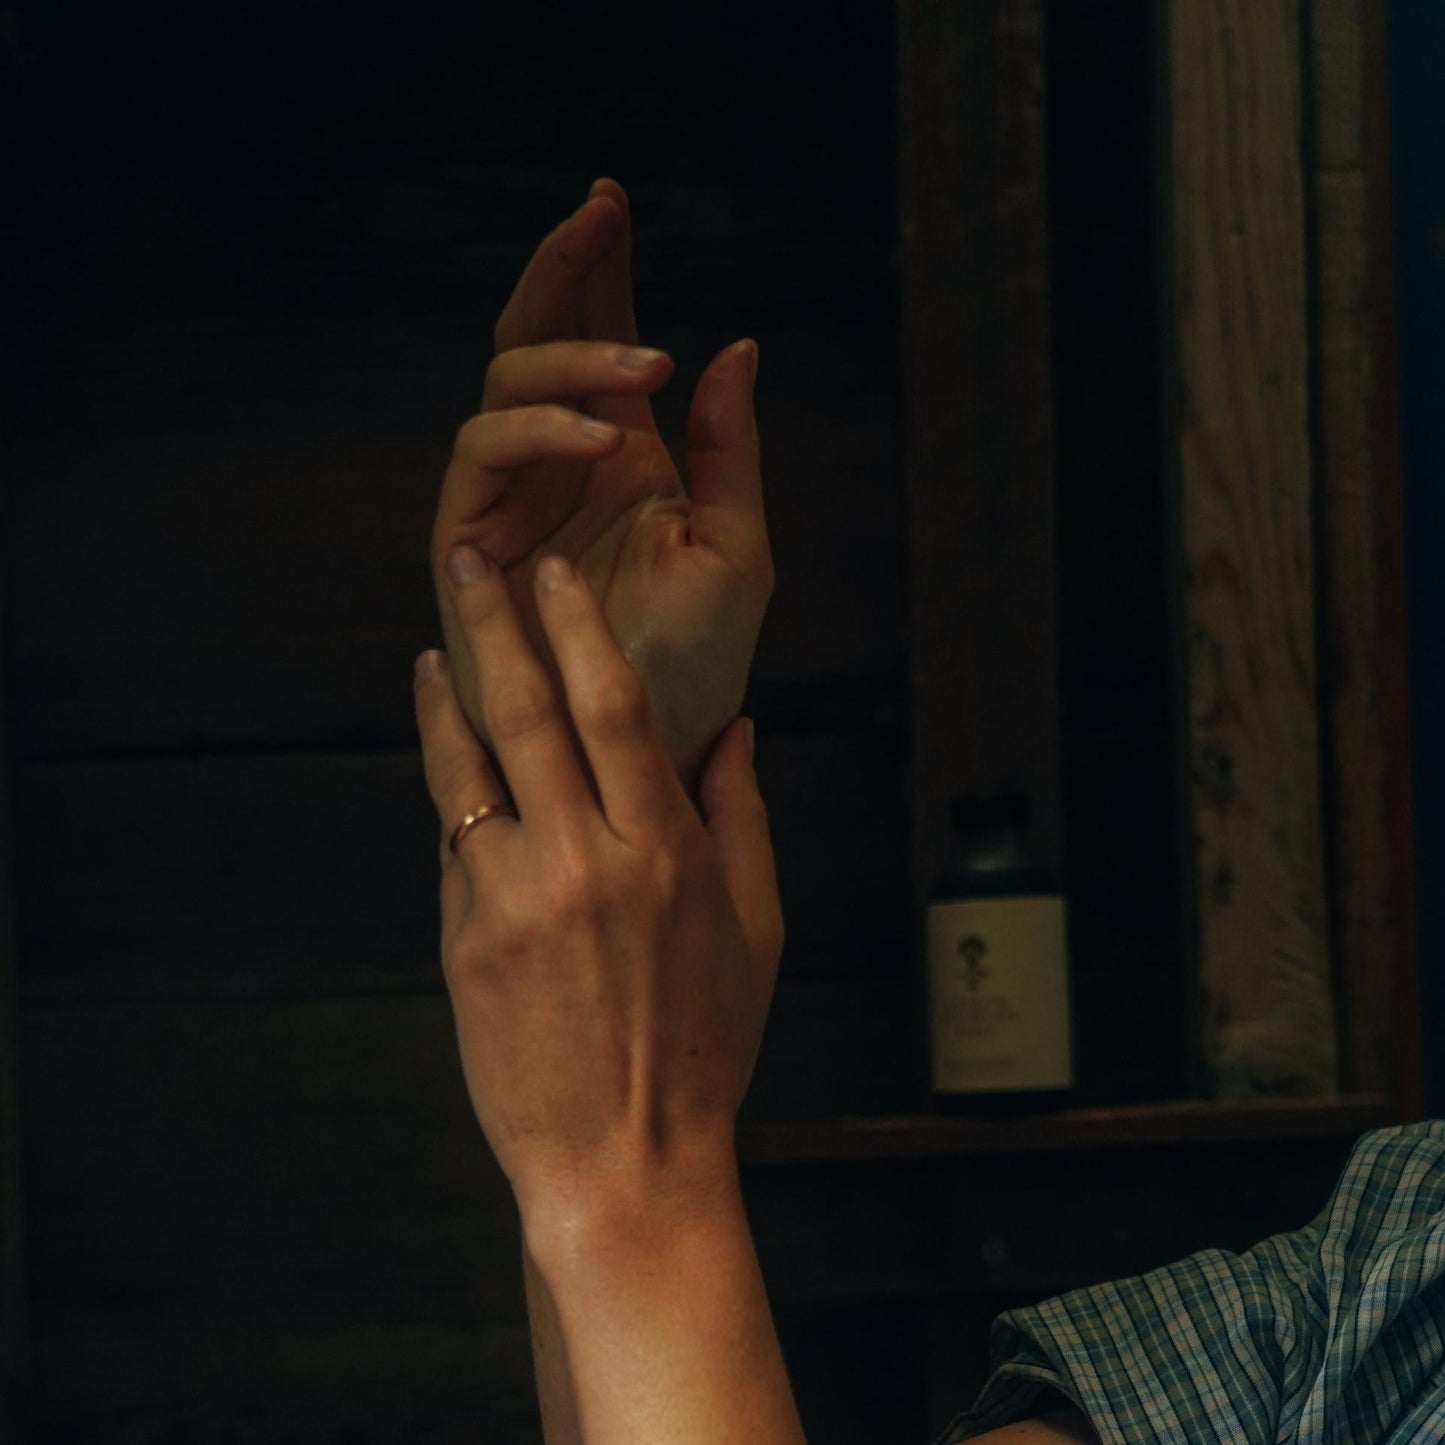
x=1333 y=1335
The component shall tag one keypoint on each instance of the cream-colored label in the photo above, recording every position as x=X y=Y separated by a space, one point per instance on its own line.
x=998 y=995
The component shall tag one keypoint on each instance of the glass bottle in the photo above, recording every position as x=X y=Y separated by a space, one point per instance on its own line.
x=997 y=976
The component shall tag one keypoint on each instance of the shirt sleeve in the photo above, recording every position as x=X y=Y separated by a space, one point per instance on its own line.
x=1329 y=1335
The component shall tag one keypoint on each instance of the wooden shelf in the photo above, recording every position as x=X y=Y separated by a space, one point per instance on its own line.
x=1174 y=1122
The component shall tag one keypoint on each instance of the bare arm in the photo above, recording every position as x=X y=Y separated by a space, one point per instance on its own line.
x=1068 y=1426
x=549 y=1357
x=669 y=1333
x=675 y=1340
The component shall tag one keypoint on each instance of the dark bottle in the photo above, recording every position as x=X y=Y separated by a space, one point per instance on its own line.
x=997 y=975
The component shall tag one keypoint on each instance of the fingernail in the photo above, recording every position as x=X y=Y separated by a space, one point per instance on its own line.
x=600 y=430
x=429 y=664
x=466 y=564
x=553 y=572
x=638 y=358
x=749 y=736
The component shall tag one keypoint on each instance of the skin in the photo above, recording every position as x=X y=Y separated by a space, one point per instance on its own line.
x=1058 y=1427
x=683 y=575
x=600 y=692
x=611 y=955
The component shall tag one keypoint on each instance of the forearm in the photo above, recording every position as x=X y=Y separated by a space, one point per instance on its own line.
x=668 y=1330
x=549 y=1358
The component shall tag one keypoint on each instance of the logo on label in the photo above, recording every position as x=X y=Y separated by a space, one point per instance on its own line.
x=972 y=950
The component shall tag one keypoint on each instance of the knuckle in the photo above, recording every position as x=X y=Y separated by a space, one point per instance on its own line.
x=520 y=712
x=508 y=923
x=497 y=373
x=578 y=898
x=547 y=418
x=486 y=945
x=616 y=708
x=471 y=435
x=668 y=867
x=464 y=957
x=510 y=947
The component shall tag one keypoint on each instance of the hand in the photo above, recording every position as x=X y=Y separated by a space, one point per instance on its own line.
x=611 y=958
x=683 y=579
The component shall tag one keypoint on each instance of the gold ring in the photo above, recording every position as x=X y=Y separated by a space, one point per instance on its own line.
x=492 y=810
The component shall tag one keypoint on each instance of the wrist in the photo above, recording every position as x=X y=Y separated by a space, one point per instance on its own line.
x=617 y=1214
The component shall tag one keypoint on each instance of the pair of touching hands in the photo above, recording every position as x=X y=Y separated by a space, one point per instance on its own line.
x=611 y=951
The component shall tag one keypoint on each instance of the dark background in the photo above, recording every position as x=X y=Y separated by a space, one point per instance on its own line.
x=254 y=261
x=257 y=266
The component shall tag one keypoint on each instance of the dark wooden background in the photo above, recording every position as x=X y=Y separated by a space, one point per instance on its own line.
x=254 y=263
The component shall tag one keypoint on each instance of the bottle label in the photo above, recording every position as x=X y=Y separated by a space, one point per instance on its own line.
x=998 y=995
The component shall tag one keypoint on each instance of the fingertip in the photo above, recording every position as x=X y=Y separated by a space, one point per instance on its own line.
x=613 y=189
x=431 y=663
x=610 y=212
x=467 y=565
x=554 y=572
x=747 y=348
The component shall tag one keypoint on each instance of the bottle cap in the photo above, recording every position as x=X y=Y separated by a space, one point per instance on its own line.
x=971 y=812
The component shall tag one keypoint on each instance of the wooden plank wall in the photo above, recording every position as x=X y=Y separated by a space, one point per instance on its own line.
x=982 y=543
x=976 y=379
x=1042 y=657
x=1361 y=541
x=1287 y=441
x=1242 y=431
x=254 y=311
x=251 y=313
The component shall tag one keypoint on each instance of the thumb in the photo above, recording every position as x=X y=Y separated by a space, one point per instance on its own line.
x=724 y=474
x=737 y=822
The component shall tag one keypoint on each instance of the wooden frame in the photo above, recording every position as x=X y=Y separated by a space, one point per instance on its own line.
x=1288 y=545
x=1361 y=537
x=978 y=454
x=1148 y=1181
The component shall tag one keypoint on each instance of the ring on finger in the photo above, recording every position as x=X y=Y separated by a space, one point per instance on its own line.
x=504 y=809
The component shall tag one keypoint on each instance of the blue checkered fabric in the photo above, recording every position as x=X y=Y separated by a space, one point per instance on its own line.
x=1333 y=1335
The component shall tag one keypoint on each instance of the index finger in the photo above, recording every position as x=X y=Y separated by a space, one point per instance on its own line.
x=545 y=304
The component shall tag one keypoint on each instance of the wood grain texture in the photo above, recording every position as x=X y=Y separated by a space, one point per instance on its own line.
x=260 y=1217
x=252 y=320
x=318 y=872
x=976 y=381
x=245 y=511
x=1362 y=552
x=289 y=1208
x=1175 y=1121
x=1244 y=466
x=1338 y=37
